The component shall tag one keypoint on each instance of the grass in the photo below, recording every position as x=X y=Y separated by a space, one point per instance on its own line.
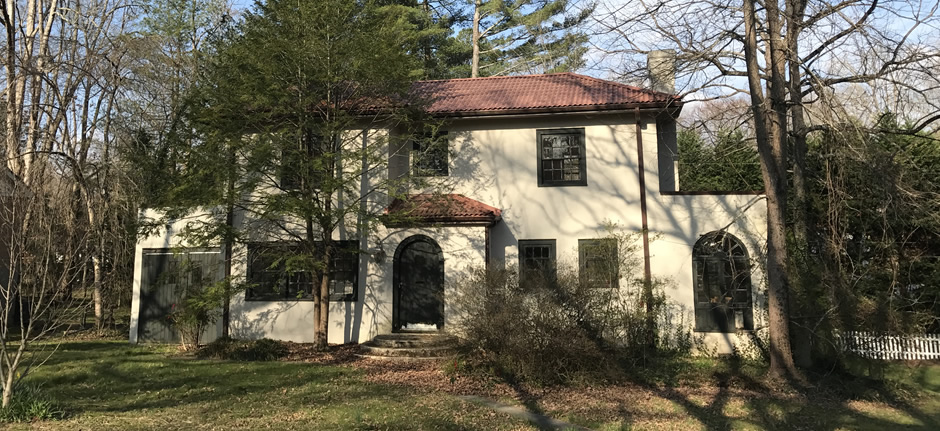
x=111 y=385
x=725 y=394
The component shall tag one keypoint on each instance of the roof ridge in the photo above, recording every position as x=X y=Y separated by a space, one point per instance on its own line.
x=480 y=78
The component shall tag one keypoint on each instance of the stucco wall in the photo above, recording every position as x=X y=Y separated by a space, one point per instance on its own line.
x=495 y=162
x=371 y=313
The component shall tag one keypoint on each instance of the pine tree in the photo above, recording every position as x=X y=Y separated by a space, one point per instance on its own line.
x=291 y=105
x=526 y=36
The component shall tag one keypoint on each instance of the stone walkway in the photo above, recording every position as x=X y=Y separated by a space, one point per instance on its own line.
x=541 y=421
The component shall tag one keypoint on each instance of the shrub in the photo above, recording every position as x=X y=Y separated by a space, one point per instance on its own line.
x=200 y=304
x=264 y=349
x=570 y=325
x=30 y=404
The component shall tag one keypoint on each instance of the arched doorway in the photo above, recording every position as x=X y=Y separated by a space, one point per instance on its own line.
x=418 y=285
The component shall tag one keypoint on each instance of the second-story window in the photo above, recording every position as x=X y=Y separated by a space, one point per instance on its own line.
x=303 y=160
x=429 y=154
x=561 y=157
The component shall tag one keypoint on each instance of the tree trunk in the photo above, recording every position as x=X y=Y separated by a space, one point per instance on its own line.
x=229 y=244
x=8 y=390
x=475 y=40
x=96 y=293
x=227 y=271
x=802 y=336
x=321 y=339
x=770 y=131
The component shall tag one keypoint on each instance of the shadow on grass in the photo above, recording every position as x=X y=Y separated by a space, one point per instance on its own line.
x=109 y=377
x=729 y=394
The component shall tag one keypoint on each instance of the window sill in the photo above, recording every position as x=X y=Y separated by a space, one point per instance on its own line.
x=565 y=184
x=278 y=299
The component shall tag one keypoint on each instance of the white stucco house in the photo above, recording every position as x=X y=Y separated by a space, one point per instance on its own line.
x=538 y=163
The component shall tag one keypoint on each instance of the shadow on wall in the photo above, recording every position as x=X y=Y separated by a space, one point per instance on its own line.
x=249 y=324
x=506 y=177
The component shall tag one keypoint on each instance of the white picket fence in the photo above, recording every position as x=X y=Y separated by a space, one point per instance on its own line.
x=891 y=347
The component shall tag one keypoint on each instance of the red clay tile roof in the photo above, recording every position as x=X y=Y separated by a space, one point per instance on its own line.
x=450 y=208
x=557 y=92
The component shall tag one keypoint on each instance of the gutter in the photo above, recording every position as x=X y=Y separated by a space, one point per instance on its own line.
x=672 y=108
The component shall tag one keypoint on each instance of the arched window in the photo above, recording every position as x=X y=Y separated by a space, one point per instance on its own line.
x=722 y=283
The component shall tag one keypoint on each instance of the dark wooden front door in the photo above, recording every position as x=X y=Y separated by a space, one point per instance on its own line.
x=419 y=277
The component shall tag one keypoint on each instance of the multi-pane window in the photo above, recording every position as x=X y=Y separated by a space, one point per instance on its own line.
x=429 y=154
x=561 y=157
x=344 y=277
x=275 y=272
x=300 y=157
x=598 y=261
x=722 y=284
x=279 y=271
x=537 y=259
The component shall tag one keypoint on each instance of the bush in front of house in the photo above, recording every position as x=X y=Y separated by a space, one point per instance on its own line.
x=30 y=404
x=565 y=327
x=225 y=348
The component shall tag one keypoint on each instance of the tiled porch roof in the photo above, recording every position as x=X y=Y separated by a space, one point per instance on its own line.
x=448 y=208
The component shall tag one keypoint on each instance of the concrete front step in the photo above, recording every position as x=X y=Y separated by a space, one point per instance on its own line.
x=409 y=352
x=412 y=340
x=409 y=346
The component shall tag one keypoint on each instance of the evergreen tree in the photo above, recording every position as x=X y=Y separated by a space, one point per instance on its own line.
x=729 y=164
x=290 y=106
x=526 y=36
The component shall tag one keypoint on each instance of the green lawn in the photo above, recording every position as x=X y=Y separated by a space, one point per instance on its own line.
x=111 y=385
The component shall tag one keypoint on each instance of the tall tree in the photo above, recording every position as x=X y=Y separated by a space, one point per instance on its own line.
x=64 y=63
x=786 y=56
x=526 y=36
x=296 y=97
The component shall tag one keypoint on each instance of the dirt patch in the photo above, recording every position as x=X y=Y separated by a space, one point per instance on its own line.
x=342 y=354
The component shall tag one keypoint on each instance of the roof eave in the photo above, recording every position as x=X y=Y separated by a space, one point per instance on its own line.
x=444 y=221
x=672 y=107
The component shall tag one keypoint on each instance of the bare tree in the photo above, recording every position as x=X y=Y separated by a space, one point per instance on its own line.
x=786 y=56
x=64 y=64
x=37 y=270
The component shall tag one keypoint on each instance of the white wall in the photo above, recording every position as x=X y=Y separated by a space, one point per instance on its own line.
x=495 y=162
x=371 y=313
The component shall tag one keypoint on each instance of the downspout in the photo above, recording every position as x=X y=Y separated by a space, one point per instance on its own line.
x=647 y=274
